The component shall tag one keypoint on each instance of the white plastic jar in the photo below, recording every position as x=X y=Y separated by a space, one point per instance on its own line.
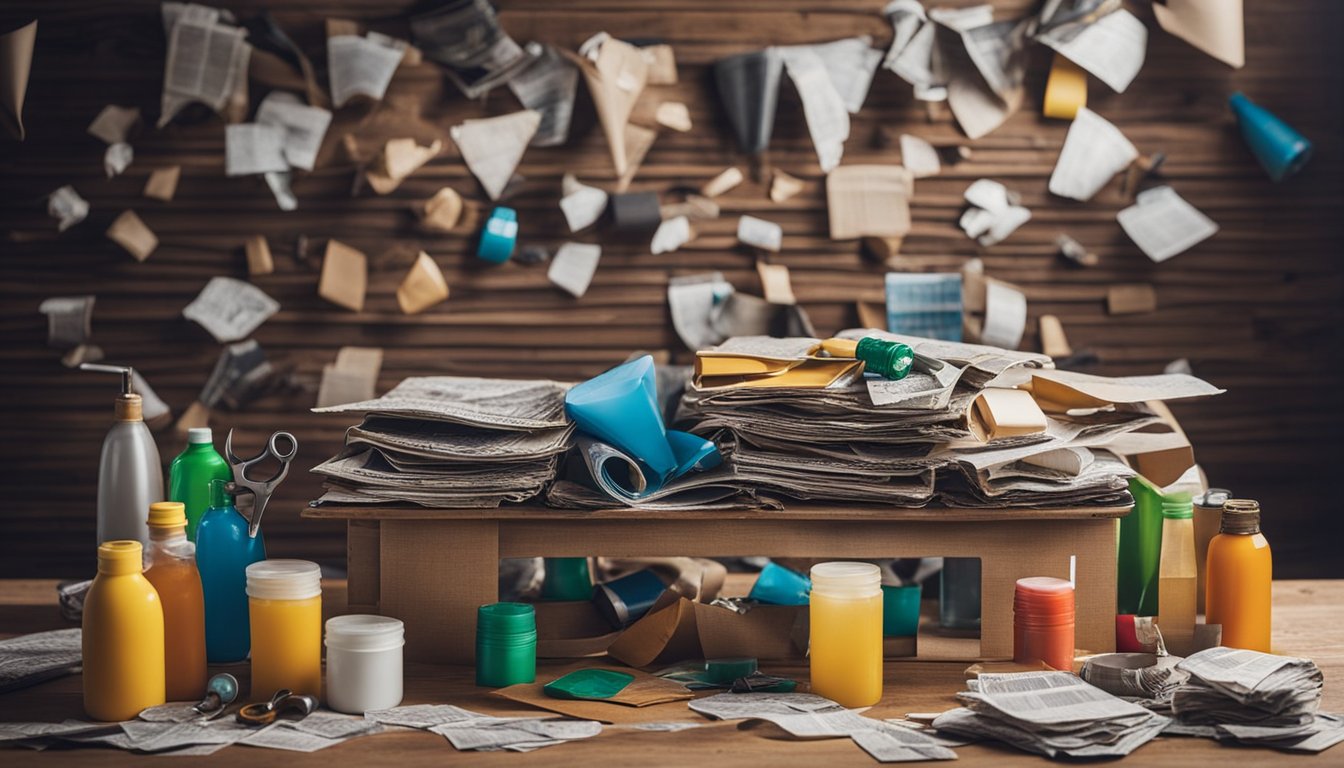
x=364 y=668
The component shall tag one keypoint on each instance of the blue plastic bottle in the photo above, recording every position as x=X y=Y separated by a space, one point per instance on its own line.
x=223 y=552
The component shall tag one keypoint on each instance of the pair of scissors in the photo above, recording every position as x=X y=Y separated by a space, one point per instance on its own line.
x=284 y=701
x=261 y=490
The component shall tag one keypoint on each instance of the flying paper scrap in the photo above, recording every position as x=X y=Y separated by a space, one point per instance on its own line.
x=1094 y=151
x=253 y=148
x=547 y=85
x=67 y=207
x=1213 y=26
x=759 y=233
x=345 y=276
x=924 y=304
x=582 y=205
x=493 y=147
x=398 y=159
x=69 y=319
x=919 y=157
x=116 y=159
x=114 y=124
x=616 y=73
x=352 y=378
x=1111 y=48
x=130 y=232
x=360 y=66
x=207 y=62
x=422 y=288
x=671 y=235
x=992 y=215
x=465 y=37
x=1163 y=224
x=16 y=56
x=230 y=309
x=303 y=126
x=573 y=267
x=869 y=200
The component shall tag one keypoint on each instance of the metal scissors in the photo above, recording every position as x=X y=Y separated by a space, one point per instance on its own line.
x=261 y=490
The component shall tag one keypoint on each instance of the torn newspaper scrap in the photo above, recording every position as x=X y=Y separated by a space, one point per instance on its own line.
x=547 y=86
x=69 y=320
x=303 y=127
x=869 y=200
x=360 y=66
x=230 y=309
x=1163 y=224
x=253 y=148
x=352 y=378
x=493 y=147
x=465 y=37
x=207 y=63
x=1111 y=49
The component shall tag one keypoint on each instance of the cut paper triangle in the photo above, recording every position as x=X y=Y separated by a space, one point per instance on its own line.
x=16 y=61
x=616 y=73
x=493 y=147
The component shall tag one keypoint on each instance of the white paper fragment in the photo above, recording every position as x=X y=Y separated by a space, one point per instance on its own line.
x=493 y=147
x=114 y=123
x=760 y=233
x=230 y=309
x=303 y=126
x=1005 y=315
x=919 y=157
x=1163 y=224
x=582 y=205
x=1094 y=151
x=1111 y=49
x=252 y=148
x=573 y=266
x=991 y=217
x=671 y=235
x=67 y=207
x=117 y=157
x=284 y=196
x=823 y=106
x=360 y=66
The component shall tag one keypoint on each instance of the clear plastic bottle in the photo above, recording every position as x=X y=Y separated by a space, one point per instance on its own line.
x=846 y=633
x=172 y=571
x=122 y=637
x=1178 y=576
x=1240 y=570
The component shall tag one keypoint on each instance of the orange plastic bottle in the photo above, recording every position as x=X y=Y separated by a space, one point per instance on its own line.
x=1240 y=569
x=172 y=571
x=123 y=637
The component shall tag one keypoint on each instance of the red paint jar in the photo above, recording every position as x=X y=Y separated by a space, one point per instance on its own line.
x=1043 y=615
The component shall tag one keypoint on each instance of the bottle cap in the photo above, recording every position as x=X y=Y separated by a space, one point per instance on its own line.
x=363 y=632
x=725 y=671
x=284 y=580
x=890 y=359
x=118 y=558
x=501 y=619
x=167 y=514
x=197 y=435
x=843 y=578
x=1240 y=516
x=219 y=494
x=1178 y=506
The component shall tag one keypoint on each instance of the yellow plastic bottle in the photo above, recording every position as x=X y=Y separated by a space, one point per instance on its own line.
x=846 y=630
x=123 y=637
x=1239 y=571
x=284 y=599
x=172 y=571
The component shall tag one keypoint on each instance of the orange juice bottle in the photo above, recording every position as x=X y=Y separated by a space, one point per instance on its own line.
x=172 y=571
x=846 y=633
x=284 y=599
x=123 y=637
x=1240 y=569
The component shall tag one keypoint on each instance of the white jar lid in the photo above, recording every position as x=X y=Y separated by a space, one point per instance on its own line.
x=845 y=577
x=365 y=632
x=284 y=580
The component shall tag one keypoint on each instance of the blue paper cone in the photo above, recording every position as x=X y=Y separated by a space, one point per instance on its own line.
x=620 y=407
x=1281 y=150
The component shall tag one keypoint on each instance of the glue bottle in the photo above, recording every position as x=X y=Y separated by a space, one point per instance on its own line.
x=223 y=552
x=130 y=476
x=122 y=637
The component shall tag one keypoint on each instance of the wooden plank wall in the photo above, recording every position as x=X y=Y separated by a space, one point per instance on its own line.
x=1257 y=309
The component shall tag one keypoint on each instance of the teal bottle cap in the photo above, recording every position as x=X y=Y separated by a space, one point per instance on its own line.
x=890 y=359
x=725 y=671
x=588 y=684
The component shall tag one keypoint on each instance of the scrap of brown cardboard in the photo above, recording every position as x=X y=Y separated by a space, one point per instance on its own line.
x=662 y=63
x=398 y=159
x=130 y=233
x=162 y=184
x=443 y=211
x=353 y=378
x=345 y=276
x=676 y=629
x=775 y=283
x=423 y=286
x=869 y=200
x=1133 y=299
x=615 y=80
x=259 y=261
x=645 y=690
x=1053 y=341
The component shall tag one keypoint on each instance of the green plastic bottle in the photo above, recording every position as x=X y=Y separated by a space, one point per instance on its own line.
x=190 y=474
x=1140 y=551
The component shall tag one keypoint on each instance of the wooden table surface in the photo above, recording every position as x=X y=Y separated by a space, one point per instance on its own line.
x=1308 y=616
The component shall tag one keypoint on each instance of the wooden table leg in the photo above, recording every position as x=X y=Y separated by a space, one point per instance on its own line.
x=435 y=574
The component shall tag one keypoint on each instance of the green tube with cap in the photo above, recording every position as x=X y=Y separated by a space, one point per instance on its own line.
x=890 y=359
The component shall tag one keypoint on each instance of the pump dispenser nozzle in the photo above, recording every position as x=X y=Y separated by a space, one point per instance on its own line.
x=129 y=403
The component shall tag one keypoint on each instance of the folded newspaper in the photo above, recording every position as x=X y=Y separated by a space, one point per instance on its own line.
x=1254 y=698
x=1051 y=713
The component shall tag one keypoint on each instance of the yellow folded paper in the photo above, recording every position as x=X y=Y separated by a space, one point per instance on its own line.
x=1065 y=90
x=998 y=413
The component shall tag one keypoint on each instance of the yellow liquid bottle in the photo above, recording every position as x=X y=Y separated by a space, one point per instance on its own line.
x=1238 y=577
x=1177 y=576
x=284 y=600
x=845 y=614
x=122 y=638
x=172 y=571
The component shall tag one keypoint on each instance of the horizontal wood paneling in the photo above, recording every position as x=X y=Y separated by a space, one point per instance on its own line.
x=1257 y=309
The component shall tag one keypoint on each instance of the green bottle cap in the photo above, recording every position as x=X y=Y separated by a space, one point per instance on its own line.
x=725 y=671
x=890 y=359
x=1178 y=506
x=219 y=494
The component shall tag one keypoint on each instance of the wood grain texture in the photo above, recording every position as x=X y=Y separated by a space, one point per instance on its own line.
x=1256 y=309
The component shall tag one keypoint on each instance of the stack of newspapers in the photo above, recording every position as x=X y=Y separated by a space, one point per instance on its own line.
x=794 y=422
x=1051 y=713
x=447 y=441
x=1255 y=698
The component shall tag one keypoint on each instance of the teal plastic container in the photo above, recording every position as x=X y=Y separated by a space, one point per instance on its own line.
x=567 y=578
x=778 y=585
x=900 y=610
x=506 y=644
x=1140 y=551
x=223 y=552
x=1281 y=150
x=190 y=474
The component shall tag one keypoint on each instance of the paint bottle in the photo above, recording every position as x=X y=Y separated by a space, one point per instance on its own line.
x=364 y=663
x=1240 y=569
x=172 y=571
x=1178 y=575
x=845 y=614
x=506 y=644
x=190 y=474
x=959 y=593
x=223 y=552
x=285 y=604
x=130 y=475
x=1043 y=622
x=122 y=637
x=567 y=578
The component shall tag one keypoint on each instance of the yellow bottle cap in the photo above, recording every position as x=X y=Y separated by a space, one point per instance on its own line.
x=117 y=558
x=167 y=514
